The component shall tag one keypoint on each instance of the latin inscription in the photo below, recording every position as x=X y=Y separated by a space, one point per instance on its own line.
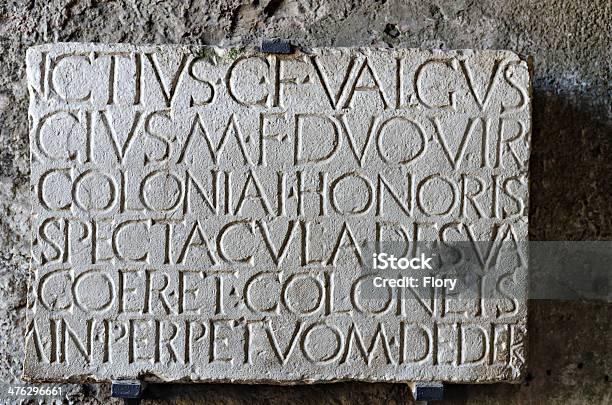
x=202 y=214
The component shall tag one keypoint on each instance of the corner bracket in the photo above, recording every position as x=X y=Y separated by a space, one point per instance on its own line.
x=427 y=391
x=130 y=390
x=276 y=45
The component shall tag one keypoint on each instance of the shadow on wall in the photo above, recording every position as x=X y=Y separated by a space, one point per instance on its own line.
x=570 y=168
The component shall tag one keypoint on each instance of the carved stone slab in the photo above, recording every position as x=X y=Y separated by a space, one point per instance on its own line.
x=202 y=214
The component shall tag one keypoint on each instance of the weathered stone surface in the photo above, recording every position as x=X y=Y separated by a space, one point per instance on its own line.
x=199 y=212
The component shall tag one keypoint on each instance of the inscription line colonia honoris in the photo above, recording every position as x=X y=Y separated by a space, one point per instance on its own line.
x=201 y=214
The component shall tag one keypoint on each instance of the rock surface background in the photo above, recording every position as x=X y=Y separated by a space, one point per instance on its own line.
x=571 y=169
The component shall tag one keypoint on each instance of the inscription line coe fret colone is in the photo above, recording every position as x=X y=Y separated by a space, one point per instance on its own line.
x=206 y=214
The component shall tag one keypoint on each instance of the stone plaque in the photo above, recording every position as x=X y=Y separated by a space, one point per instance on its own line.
x=204 y=214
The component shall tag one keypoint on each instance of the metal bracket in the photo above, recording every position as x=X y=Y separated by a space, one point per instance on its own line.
x=130 y=390
x=276 y=45
x=427 y=391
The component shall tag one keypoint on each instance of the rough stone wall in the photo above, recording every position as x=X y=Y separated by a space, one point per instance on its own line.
x=571 y=172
